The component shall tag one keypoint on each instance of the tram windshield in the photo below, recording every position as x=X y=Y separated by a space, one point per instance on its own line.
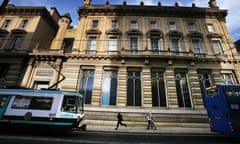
x=72 y=104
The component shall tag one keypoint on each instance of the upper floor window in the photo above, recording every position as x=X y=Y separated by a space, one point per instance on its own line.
x=4 y=69
x=191 y=27
x=114 y=24
x=23 y=23
x=134 y=44
x=210 y=28
x=217 y=47
x=92 y=44
x=16 y=42
x=133 y=25
x=153 y=25
x=175 y=45
x=2 y=39
x=94 y=23
x=196 y=46
x=68 y=44
x=112 y=44
x=172 y=26
x=6 y=23
x=155 y=44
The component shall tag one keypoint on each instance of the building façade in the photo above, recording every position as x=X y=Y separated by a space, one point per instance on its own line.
x=137 y=59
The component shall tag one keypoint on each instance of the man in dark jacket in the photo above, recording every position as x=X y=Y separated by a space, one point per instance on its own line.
x=120 y=119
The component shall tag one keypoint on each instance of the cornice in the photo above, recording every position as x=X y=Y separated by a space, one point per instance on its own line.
x=30 y=11
x=153 y=11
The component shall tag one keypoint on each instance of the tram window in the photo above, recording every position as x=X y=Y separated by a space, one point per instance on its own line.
x=41 y=103
x=69 y=104
x=3 y=100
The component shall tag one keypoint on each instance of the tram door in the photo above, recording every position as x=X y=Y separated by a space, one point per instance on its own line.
x=3 y=104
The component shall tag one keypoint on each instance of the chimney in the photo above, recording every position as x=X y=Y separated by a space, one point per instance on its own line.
x=87 y=2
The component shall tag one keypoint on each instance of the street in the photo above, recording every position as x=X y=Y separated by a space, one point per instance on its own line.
x=110 y=137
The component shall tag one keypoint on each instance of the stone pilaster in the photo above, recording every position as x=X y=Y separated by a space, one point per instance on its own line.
x=171 y=88
x=196 y=94
x=96 y=95
x=122 y=87
x=146 y=84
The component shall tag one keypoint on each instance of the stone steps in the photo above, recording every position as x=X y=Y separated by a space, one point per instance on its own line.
x=138 y=117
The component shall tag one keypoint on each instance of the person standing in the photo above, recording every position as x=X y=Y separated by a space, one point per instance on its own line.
x=119 y=121
x=150 y=122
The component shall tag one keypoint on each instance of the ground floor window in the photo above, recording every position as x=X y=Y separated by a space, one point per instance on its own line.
x=41 y=85
x=86 y=85
x=158 y=88
x=109 y=87
x=134 y=94
x=182 y=88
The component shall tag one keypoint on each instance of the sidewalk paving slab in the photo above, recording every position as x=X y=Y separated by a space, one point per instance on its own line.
x=159 y=130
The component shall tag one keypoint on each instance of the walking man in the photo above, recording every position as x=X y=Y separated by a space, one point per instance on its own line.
x=120 y=119
x=150 y=122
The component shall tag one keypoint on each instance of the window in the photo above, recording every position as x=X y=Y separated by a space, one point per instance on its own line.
x=172 y=26
x=109 y=87
x=91 y=44
x=41 y=85
x=182 y=88
x=68 y=44
x=217 y=47
x=6 y=23
x=175 y=45
x=210 y=28
x=16 y=42
x=3 y=100
x=134 y=94
x=72 y=104
x=2 y=40
x=37 y=103
x=191 y=27
x=86 y=85
x=158 y=88
x=23 y=24
x=94 y=23
x=133 y=25
x=153 y=25
x=4 y=69
x=112 y=44
x=227 y=78
x=205 y=81
x=155 y=44
x=196 y=46
x=114 y=24
x=134 y=44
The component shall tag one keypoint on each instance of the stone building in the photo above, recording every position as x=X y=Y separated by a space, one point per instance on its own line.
x=137 y=59
x=21 y=29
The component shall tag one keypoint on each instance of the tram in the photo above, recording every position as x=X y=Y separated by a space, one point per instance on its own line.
x=44 y=108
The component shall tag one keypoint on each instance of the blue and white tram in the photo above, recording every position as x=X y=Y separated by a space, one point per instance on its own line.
x=51 y=108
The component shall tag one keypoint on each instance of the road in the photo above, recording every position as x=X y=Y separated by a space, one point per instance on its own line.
x=111 y=138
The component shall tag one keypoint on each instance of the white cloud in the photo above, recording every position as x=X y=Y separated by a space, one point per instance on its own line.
x=233 y=17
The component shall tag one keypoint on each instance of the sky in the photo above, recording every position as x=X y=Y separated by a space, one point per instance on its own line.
x=71 y=6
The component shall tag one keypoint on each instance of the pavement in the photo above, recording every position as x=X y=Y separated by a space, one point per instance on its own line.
x=159 y=130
